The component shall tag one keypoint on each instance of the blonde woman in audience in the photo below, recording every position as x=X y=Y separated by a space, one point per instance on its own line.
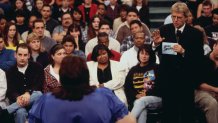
x=51 y=72
x=12 y=37
x=38 y=53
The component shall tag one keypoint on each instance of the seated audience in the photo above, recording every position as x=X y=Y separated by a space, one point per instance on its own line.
x=70 y=47
x=11 y=36
x=77 y=101
x=139 y=85
x=75 y=31
x=206 y=97
x=6 y=56
x=24 y=84
x=51 y=72
x=105 y=72
x=38 y=53
x=104 y=39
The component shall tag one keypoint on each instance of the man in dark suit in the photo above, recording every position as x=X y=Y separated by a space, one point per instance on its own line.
x=180 y=47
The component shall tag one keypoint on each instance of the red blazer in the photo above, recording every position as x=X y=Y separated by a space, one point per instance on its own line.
x=92 y=12
x=116 y=56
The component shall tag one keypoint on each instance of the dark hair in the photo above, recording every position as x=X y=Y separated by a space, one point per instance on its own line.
x=82 y=24
x=131 y=9
x=215 y=11
x=74 y=27
x=20 y=13
x=6 y=30
x=69 y=38
x=102 y=34
x=38 y=21
x=97 y=48
x=144 y=3
x=207 y=3
x=135 y=22
x=123 y=7
x=99 y=4
x=147 y=48
x=23 y=46
x=74 y=78
x=91 y=31
x=104 y=22
x=65 y=14
x=53 y=50
x=46 y=5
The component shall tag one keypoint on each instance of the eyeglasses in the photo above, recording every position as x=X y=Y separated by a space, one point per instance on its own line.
x=177 y=17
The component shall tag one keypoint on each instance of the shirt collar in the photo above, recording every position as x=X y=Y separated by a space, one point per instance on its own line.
x=181 y=29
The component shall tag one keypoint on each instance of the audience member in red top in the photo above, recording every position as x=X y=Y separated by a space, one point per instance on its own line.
x=88 y=10
x=104 y=40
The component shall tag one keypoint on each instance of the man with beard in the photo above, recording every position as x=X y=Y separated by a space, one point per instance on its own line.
x=60 y=31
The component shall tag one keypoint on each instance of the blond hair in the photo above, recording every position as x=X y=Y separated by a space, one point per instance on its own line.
x=180 y=7
x=33 y=36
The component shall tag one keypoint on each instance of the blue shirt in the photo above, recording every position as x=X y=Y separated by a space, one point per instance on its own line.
x=7 y=59
x=101 y=106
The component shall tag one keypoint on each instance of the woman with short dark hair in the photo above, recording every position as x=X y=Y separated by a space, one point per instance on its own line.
x=77 y=101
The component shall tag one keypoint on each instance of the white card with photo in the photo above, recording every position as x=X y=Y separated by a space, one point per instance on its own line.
x=167 y=48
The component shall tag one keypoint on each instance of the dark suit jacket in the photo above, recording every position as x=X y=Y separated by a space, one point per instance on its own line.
x=178 y=72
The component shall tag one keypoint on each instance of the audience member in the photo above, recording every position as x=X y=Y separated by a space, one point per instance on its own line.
x=105 y=72
x=104 y=39
x=139 y=85
x=112 y=10
x=88 y=10
x=21 y=20
x=212 y=30
x=70 y=47
x=3 y=99
x=51 y=72
x=24 y=84
x=11 y=36
x=38 y=29
x=50 y=23
x=124 y=30
x=206 y=95
x=135 y=26
x=60 y=10
x=142 y=7
x=206 y=18
x=60 y=31
x=77 y=101
x=113 y=43
x=76 y=32
x=30 y=30
x=38 y=53
x=6 y=56
x=129 y=57
x=206 y=46
x=101 y=12
x=37 y=8
x=93 y=28
x=122 y=11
